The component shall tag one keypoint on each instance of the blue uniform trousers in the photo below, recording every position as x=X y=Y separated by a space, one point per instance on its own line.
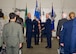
x=36 y=38
x=48 y=40
x=29 y=37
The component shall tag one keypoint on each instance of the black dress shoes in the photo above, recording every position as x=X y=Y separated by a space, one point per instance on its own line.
x=37 y=44
x=47 y=47
x=30 y=47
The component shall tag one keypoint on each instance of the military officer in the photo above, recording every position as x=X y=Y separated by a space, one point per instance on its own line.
x=73 y=38
x=36 y=31
x=60 y=23
x=48 y=31
x=29 y=28
x=65 y=34
x=19 y=20
x=12 y=35
x=2 y=22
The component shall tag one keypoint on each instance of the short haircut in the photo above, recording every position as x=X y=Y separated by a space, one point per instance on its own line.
x=0 y=10
x=12 y=15
x=71 y=14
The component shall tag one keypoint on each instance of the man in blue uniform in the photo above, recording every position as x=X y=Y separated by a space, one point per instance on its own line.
x=65 y=35
x=48 y=31
x=29 y=27
x=36 y=31
x=73 y=38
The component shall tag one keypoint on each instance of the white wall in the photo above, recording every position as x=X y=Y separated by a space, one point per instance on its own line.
x=59 y=5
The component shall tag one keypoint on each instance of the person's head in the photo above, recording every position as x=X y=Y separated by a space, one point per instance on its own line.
x=29 y=15
x=64 y=15
x=12 y=16
x=1 y=14
x=71 y=15
x=47 y=15
x=0 y=10
x=17 y=12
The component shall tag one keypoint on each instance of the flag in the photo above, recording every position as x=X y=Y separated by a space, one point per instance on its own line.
x=40 y=9
x=26 y=12
x=37 y=11
x=25 y=15
x=53 y=15
x=52 y=25
x=52 y=12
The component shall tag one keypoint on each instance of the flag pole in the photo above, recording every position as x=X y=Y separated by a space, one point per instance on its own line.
x=26 y=5
x=26 y=11
x=40 y=38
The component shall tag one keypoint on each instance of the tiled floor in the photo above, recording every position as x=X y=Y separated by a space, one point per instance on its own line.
x=40 y=49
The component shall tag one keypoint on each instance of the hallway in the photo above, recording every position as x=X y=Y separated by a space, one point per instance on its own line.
x=40 y=49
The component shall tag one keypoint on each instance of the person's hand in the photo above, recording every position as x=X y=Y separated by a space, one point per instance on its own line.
x=38 y=21
x=4 y=46
x=62 y=44
x=20 y=45
x=32 y=30
x=58 y=37
x=53 y=30
x=43 y=28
